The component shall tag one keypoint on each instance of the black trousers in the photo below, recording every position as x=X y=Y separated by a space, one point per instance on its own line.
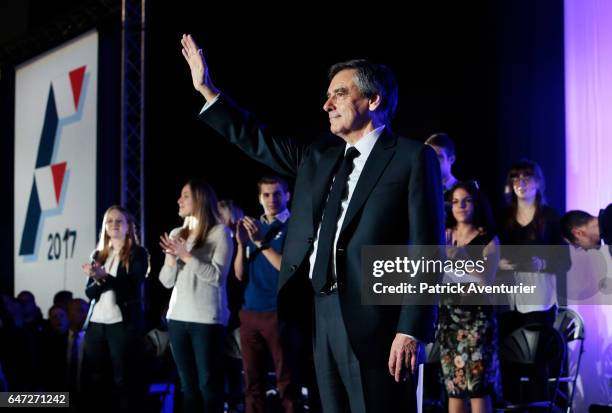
x=345 y=384
x=109 y=367
x=197 y=349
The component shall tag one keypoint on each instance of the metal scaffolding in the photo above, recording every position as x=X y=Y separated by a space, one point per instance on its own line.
x=84 y=16
x=132 y=110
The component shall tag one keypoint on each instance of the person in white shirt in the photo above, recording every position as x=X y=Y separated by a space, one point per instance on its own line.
x=117 y=270
x=198 y=259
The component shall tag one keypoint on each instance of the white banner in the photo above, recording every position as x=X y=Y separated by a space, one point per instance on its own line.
x=55 y=169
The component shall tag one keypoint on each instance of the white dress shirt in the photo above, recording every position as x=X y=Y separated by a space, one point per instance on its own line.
x=282 y=216
x=364 y=146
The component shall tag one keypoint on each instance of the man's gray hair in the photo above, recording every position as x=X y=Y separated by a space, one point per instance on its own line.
x=373 y=79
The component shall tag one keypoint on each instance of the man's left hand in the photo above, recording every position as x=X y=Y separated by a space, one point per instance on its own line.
x=404 y=355
x=253 y=228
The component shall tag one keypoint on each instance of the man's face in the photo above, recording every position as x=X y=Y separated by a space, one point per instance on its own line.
x=446 y=161
x=28 y=303
x=587 y=236
x=58 y=320
x=273 y=198
x=349 y=111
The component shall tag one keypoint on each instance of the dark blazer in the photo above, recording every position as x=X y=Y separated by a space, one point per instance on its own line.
x=398 y=200
x=533 y=234
x=128 y=286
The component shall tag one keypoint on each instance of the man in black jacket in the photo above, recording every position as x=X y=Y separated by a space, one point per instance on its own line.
x=363 y=186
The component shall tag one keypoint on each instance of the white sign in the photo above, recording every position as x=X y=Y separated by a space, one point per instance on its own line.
x=55 y=169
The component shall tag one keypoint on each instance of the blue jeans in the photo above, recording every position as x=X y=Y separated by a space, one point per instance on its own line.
x=198 y=353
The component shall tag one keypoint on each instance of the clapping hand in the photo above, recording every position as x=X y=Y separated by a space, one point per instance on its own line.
x=175 y=247
x=95 y=271
x=253 y=229
x=241 y=233
x=506 y=265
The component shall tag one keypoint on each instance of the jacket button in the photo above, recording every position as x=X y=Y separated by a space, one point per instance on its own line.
x=310 y=240
x=340 y=251
x=293 y=268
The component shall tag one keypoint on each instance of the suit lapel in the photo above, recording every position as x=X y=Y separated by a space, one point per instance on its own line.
x=322 y=180
x=381 y=154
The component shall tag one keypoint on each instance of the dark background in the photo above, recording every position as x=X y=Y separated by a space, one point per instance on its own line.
x=488 y=73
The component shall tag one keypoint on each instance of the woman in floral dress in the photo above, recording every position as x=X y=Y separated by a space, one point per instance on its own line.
x=466 y=333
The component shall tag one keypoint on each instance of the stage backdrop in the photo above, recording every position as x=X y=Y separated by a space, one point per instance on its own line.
x=55 y=168
x=588 y=97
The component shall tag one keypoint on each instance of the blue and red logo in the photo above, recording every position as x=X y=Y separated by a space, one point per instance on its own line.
x=65 y=103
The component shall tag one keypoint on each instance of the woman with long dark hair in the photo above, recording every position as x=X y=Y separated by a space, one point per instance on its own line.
x=527 y=227
x=198 y=259
x=467 y=333
x=117 y=271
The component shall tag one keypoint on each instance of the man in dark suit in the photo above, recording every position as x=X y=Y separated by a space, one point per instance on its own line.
x=363 y=186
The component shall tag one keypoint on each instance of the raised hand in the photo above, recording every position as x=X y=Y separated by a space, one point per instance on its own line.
x=199 y=70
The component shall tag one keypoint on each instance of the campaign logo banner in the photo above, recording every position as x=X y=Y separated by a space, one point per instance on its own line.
x=55 y=168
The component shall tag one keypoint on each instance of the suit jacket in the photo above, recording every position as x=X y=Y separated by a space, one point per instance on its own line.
x=397 y=201
x=128 y=286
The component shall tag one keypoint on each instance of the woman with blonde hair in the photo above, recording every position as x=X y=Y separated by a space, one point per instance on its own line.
x=198 y=259
x=117 y=270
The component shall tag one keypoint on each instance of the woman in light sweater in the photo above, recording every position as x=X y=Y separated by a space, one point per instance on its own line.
x=198 y=259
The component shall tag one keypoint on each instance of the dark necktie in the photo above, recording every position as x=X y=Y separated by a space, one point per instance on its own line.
x=322 y=274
